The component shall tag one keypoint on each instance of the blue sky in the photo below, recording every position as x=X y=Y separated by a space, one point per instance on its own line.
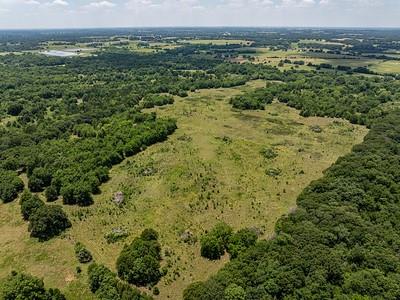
x=137 y=13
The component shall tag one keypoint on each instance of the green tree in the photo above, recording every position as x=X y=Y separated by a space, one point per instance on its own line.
x=234 y=292
x=51 y=193
x=240 y=241
x=10 y=185
x=139 y=262
x=30 y=205
x=48 y=221
x=19 y=286
x=211 y=247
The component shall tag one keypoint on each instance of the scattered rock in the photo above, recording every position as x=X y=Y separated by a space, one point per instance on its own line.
x=119 y=198
x=188 y=237
x=316 y=128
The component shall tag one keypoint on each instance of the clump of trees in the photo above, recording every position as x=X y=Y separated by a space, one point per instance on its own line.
x=340 y=243
x=105 y=285
x=222 y=238
x=153 y=100
x=24 y=286
x=45 y=221
x=139 y=262
x=256 y=99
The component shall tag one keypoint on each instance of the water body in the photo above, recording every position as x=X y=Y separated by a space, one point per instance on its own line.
x=58 y=53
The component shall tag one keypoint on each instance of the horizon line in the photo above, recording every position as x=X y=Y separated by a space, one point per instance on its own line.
x=201 y=27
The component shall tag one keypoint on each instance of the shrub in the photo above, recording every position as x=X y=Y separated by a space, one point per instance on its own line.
x=156 y=291
x=268 y=153
x=48 y=221
x=117 y=234
x=82 y=254
x=273 y=172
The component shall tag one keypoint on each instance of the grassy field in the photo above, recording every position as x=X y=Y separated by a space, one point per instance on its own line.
x=219 y=42
x=273 y=57
x=390 y=66
x=211 y=169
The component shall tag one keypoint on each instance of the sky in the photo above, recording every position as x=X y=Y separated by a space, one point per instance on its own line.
x=21 y=14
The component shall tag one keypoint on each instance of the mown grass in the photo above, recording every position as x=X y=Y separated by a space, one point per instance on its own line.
x=211 y=169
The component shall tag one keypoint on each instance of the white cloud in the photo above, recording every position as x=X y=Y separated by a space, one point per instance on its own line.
x=174 y=5
x=101 y=4
x=31 y=2
x=57 y=3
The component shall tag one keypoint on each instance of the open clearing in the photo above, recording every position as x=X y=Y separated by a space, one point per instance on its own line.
x=210 y=169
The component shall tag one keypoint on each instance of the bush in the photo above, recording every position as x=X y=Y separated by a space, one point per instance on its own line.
x=268 y=153
x=82 y=254
x=19 y=286
x=10 y=185
x=156 y=291
x=117 y=234
x=48 y=221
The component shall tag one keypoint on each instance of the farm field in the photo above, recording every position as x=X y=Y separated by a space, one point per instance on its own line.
x=273 y=57
x=210 y=169
x=215 y=42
